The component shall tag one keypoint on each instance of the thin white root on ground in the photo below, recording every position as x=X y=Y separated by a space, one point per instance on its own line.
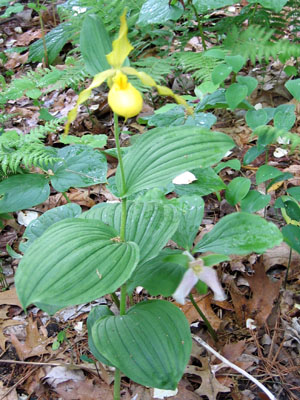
x=233 y=366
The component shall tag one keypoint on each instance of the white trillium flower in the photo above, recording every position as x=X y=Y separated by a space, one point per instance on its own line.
x=197 y=271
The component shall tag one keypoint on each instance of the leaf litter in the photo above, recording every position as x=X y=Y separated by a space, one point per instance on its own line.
x=271 y=349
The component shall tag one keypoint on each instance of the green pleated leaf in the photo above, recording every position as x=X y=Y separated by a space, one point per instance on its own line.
x=81 y=166
x=192 y=209
x=237 y=190
x=151 y=344
x=159 y=276
x=95 y=43
x=23 y=191
x=240 y=233
x=161 y=154
x=38 y=226
x=207 y=182
x=291 y=235
x=96 y=313
x=149 y=224
x=158 y=12
x=75 y=261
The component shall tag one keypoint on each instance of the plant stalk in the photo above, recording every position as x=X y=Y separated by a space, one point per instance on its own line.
x=288 y=268
x=210 y=329
x=117 y=382
x=200 y=27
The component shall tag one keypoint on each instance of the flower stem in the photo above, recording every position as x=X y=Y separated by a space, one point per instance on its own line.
x=200 y=27
x=117 y=383
x=208 y=325
x=66 y=197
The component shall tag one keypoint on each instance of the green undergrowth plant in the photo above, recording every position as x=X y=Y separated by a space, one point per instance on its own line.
x=76 y=165
x=72 y=257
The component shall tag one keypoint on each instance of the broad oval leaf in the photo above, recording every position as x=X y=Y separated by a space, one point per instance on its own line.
x=237 y=190
x=151 y=344
x=95 y=314
x=81 y=166
x=149 y=224
x=254 y=201
x=158 y=276
x=23 y=191
x=291 y=235
x=55 y=41
x=158 y=12
x=38 y=226
x=161 y=154
x=240 y=233
x=75 y=261
x=95 y=43
x=192 y=209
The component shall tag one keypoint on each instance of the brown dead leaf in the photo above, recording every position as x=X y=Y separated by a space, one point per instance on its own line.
x=264 y=293
x=232 y=352
x=204 y=303
x=35 y=343
x=15 y=60
x=210 y=386
x=3 y=313
x=27 y=37
x=86 y=390
x=295 y=170
x=9 y=297
x=3 y=325
x=279 y=255
x=34 y=383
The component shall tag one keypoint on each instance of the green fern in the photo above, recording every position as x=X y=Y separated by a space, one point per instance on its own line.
x=268 y=134
x=28 y=150
x=200 y=66
x=255 y=43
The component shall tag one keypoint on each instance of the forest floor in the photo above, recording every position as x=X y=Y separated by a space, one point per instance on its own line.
x=258 y=327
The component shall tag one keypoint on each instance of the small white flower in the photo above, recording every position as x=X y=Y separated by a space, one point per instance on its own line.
x=195 y=272
x=279 y=152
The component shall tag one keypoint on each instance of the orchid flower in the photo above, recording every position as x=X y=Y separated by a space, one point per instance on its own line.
x=123 y=98
x=197 y=271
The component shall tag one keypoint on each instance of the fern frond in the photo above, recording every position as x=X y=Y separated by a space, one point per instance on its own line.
x=197 y=63
x=157 y=68
x=41 y=131
x=255 y=43
x=28 y=150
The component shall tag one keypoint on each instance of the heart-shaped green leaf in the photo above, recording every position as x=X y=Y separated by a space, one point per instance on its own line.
x=75 y=261
x=151 y=344
x=149 y=224
x=240 y=233
x=161 y=154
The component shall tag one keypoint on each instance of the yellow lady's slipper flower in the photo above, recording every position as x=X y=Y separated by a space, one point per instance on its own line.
x=123 y=98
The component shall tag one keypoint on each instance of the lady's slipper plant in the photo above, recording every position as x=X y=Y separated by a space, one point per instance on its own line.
x=123 y=98
x=121 y=245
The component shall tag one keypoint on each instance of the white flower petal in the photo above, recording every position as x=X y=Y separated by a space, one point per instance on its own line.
x=209 y=276
x=278 y=153
x=187 y=283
